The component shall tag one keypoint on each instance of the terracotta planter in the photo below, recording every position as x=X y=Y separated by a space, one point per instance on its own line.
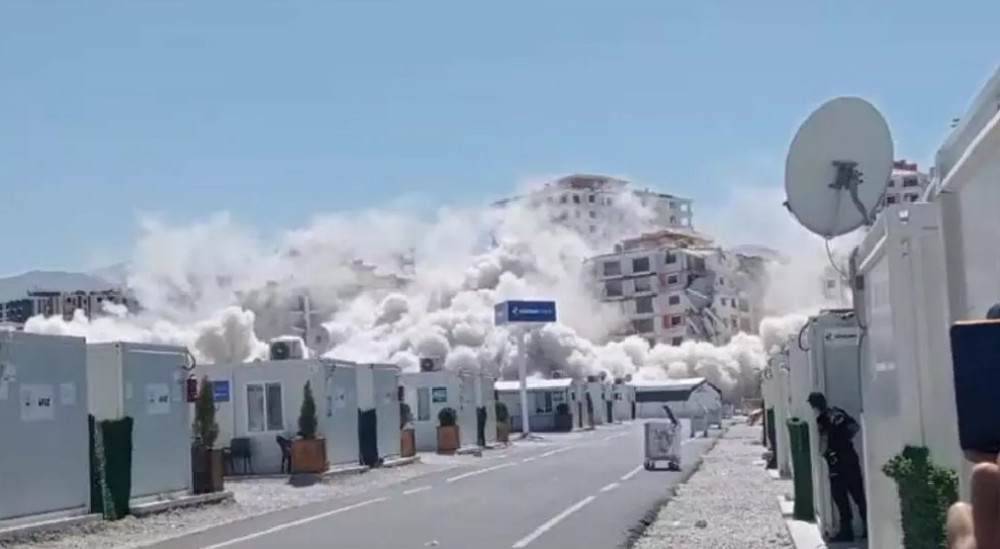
x=503 y=432
x=207 y=470
x=447 y=439
x=407 y=443
x=309 y=455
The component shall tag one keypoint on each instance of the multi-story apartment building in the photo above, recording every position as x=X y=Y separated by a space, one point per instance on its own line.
x=674 y=285
x=601 y=208
x=906 y=184
x=64 y=304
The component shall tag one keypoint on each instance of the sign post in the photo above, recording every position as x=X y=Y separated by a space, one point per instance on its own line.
x=524 y=312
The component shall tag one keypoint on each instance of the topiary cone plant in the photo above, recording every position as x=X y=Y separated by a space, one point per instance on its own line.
x=206 y=461
x=309 y=449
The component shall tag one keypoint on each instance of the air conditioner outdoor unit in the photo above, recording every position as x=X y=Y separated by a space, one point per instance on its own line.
x=290 y=348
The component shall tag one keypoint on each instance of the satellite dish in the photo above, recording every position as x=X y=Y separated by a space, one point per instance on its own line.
x=318 y=339
x=838 y=166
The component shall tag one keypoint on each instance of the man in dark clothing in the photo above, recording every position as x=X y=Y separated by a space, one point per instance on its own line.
x=837 y=430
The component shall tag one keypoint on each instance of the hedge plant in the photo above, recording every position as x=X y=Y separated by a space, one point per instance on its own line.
x=447 y=417
x=926 y=491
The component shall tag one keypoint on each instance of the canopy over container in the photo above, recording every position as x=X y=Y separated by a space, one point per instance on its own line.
x=44 y=463
x=146 y=383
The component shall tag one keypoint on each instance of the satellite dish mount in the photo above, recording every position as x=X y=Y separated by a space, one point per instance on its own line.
x=848 y=179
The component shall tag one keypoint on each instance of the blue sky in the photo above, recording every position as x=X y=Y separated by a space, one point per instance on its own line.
x=276 y=111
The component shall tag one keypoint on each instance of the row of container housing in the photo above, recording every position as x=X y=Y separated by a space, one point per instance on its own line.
x=564 y=403
x=50 y=384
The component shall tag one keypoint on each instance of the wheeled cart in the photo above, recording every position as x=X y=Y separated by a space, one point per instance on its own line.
x=662 y=443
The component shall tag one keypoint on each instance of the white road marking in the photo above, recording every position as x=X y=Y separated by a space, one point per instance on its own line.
x=610 y=487
x=554 y=452
x=293 y=524
x=631 y=473
x=416 y=490
x=612 y=437
x=529 y=459
x=478 y=472
x=525 y=541
x=501 y=456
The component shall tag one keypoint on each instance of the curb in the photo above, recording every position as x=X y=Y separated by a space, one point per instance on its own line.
x=401 y=462
x=636 y=532
x=184 y=502
x=21 y=533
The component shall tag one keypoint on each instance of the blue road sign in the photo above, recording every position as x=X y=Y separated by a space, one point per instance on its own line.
x=220 y=391
x=524 y=311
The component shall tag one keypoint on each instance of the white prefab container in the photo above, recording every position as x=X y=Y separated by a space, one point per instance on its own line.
x=44 y=463
x=624 y=402
x=544 y=398
x=428 y=393
x=909 y=394
x=832 y=338
x=146 y=383
x=266 y=398
x=775 y=389
x=799 y=379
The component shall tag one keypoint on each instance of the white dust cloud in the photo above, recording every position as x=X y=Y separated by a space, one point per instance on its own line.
x=223 y=291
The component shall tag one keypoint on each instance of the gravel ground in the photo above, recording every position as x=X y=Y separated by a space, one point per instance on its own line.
x=252 y=498
x=730 y=503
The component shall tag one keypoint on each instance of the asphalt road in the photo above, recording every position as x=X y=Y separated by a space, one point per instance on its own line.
x=587 y=492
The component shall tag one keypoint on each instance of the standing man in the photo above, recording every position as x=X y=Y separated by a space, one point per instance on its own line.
x=836 y=431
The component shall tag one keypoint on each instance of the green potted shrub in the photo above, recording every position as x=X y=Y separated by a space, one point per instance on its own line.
x=447 y=431
x=503 y=423
x=207 y=460
x=407 y=439
x=563 y=419
x=309 y=449
x=926 y=491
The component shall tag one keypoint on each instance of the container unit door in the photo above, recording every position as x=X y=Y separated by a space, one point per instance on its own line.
x=161 y=432
x=467 y=411
x=386 y=381
x=342 y=416
x=491 y=409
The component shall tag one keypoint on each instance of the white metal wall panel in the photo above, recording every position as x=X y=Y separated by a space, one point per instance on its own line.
x=341 y=421
x=44 y=464
x=153 y=376
x=467 y=411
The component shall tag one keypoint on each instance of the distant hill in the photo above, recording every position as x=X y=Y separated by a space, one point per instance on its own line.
x=115 y=274
x=16 y=287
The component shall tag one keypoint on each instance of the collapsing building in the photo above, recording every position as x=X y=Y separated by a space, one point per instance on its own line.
x=674 y=285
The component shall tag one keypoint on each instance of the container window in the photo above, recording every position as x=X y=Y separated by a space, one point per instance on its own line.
x=423 y=404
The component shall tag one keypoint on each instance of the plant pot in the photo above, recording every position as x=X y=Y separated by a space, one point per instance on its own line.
x=207 y=468
x=309 y=455
x=503 y=432
x=563 y=422
x=407 y=443
x=447 y=439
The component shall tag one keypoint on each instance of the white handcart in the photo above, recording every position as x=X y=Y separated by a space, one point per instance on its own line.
x=662 y=442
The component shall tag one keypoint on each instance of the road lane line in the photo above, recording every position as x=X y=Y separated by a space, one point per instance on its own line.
x=292 y=524
x=529 y=459
x=631 y=473
x=416 y=490
x=525 y=541
x=554 y=452
x=610 y=487
x=478 y=472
